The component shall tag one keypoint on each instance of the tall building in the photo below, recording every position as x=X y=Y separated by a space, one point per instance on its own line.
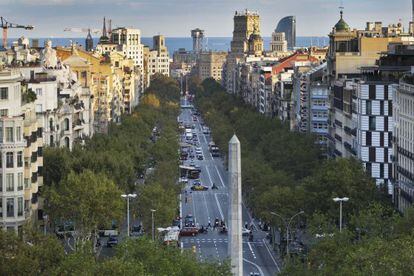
x=21 y=171
x=287 y=25
x=278 y=43
x=157 y=59
x=245 y=23
x=210 y=65
x=198 y=40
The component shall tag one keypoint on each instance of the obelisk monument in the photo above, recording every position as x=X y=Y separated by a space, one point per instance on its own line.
x=235 y=246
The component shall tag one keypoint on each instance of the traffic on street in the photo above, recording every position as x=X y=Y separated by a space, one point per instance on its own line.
x=204 y=201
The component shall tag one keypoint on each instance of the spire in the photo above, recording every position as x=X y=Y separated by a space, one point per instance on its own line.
x=104 y=28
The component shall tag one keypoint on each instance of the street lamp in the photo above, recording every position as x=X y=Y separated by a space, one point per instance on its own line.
x=153 y=226
x=128 y=196
x=287 y=224
x=340 y=200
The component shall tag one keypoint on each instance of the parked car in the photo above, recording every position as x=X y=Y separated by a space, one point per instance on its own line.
x=112 y=241
x=200 y=157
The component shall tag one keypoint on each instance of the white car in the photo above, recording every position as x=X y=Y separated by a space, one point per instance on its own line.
x=246 y=232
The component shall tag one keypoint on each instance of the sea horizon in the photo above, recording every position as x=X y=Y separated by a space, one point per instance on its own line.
x=174 y=43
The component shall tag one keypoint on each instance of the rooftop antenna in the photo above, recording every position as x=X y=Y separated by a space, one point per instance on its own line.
x=341 y=7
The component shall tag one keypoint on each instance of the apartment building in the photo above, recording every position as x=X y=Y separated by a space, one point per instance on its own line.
x=21 y=153
x=210 y=65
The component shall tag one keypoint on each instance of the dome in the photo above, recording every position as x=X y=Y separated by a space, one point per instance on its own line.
x=341 y=25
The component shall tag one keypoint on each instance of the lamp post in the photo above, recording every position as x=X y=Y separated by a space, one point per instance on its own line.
x=128 y=196
x=287 y=224
x=340 y=200
x=153 y=226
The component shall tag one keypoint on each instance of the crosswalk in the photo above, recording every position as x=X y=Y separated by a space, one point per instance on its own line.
x=216 y=240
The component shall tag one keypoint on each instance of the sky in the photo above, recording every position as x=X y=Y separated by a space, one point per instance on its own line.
x=175 y=18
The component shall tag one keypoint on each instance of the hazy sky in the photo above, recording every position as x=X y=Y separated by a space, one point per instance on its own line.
x=178 y=17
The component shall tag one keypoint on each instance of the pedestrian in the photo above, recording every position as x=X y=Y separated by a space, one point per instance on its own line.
x=185 y=199
x=209 y=224
x=246 y=225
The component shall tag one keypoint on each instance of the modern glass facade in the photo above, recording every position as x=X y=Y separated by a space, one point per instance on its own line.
x=287 y=25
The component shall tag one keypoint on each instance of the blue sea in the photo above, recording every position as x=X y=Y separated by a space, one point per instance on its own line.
x=174 y=43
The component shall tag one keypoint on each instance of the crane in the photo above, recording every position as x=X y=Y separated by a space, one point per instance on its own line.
x=83 y=30
x=5 y=25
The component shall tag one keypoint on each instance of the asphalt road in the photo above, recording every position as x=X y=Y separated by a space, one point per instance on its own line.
x=208 y=205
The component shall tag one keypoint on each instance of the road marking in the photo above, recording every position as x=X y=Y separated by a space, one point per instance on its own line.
x=251 y=250
x=209 y=175
x=219 y=207
x=221 y=179
x=205 y=203
x=270 y=253
x=255 y=265
x=194 y=214
x=181 y=212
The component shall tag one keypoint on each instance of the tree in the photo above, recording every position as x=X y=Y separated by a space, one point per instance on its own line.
x=88 y=200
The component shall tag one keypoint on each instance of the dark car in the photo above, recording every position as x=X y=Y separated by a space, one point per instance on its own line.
x=189 y=221
x=200 y=157
x=112 y=241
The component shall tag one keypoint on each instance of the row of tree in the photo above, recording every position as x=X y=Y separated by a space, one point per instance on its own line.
x=283 y=172
x=44 y=255
x=84 y=187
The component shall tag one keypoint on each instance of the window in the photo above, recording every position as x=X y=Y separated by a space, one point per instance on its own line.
x=20 y=206
x=66 y=124
x=20 y=181
x=1 y=182
x=18 y=134
x=26 y=183
x=9 y=134
x=9 y=182
x=19 y=159
x=1 y=207
x=4 y=93
x=9 y=160
x=372 y=123
x=4 y=112
x=10 y=207
x=67 y=142
x=39 y=91
x=39 y=108
x=369 y=107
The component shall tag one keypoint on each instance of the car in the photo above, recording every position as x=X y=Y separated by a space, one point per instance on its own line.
x=189 y=221
x=246 y=232
x=199 y=187
x=200 y=157
x=198 y=152
x=197 y=167
x=192 y=163
x=183 y=180
x=188 y=231
x=136 y=231
x=198 y=149
x=112 y=241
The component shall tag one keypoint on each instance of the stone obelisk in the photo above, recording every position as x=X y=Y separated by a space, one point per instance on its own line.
x=235 y=246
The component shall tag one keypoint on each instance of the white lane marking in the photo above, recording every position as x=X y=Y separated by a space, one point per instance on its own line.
x=221 y=179
x=251 y=250
x=194 y=213
x=255 y=265
x=219 y=207
x=209 y=175
x=250 y=217
x=271 y=256
x=181 y=212
x=205 y=203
